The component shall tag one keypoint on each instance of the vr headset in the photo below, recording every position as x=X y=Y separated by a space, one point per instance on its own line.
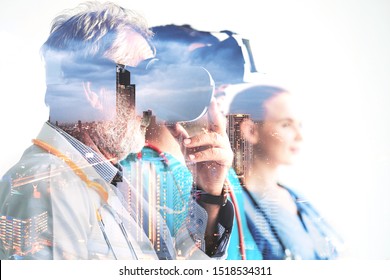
x=173 y=93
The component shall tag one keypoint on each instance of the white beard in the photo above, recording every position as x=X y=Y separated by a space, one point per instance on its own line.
x=134 y=140
x=120 y=140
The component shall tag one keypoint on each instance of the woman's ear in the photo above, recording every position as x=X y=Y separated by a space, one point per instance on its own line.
x=249 y=131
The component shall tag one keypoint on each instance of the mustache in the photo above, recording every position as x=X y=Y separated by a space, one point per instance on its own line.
x=121 y=137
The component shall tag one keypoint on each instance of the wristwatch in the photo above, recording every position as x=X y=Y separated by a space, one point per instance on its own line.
x=202 y=196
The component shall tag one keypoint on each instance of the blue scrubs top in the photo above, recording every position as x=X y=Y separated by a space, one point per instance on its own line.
x=281 y=234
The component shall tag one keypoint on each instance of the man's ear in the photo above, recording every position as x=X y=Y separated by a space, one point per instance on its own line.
x=249 y=131
x=92 y=97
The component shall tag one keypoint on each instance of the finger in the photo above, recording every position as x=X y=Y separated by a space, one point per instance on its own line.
x=204 y=139
x=218 y=155
x=217 y=121
x=178 y=131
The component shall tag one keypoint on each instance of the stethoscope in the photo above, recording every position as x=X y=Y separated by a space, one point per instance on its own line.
x=288 y=255
x=102 y=193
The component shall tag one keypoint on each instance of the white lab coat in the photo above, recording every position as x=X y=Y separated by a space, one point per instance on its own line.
x=75 y=229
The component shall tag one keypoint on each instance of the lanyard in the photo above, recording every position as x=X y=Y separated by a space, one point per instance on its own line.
x=97 y=187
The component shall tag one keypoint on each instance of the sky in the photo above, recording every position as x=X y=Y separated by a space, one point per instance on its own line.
x=334 y=55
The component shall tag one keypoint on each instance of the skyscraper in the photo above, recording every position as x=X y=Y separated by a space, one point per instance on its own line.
x=242 y=149
x=125 y=91
x=23 y=236
x=148 y=198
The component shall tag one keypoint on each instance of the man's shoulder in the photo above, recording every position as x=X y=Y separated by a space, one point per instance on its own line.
x=33 y=157
x=35 y=165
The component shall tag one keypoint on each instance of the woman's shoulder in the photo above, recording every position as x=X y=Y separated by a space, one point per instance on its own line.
x=296 y=194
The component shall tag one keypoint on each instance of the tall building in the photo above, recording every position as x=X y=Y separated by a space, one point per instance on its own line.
x=125 y=91
x=242 y=149
x=25 y=227
x=147 y=198
x=23 y=236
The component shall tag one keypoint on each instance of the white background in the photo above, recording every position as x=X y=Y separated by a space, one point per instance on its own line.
x=334 y=54
x=303 y=270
